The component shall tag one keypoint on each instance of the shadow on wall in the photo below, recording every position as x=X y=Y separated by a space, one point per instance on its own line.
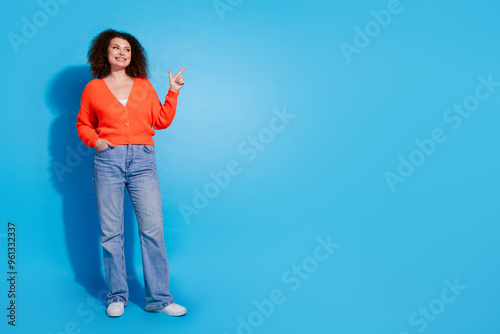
x=71 y=167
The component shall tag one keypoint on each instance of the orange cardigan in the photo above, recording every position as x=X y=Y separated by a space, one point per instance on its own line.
x=103 y=116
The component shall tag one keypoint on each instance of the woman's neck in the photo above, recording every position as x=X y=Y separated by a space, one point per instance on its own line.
x=118 y=75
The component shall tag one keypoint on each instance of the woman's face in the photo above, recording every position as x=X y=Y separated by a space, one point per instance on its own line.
x=119 y=53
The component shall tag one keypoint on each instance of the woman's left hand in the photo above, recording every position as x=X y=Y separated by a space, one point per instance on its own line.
x=176 y=81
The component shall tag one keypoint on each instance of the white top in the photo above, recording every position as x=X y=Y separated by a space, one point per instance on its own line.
x=124 y=101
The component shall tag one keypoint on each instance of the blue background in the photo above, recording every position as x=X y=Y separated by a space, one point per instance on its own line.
x=322 y=175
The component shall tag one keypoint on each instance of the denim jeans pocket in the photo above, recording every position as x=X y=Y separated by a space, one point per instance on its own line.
x=149 y=148
x=101 y=151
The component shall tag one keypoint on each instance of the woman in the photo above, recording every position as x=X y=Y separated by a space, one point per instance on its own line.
x=118 y=112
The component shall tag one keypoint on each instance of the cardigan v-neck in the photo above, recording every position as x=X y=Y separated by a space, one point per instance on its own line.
x=109 y=90
x=102 y=115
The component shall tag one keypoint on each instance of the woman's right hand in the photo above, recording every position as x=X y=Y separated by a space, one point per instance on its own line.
x=102 y=144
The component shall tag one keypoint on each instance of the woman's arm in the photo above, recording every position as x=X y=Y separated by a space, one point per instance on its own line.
x=87 y=121
x=163 y=115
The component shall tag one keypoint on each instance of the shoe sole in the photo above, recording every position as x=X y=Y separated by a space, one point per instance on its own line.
x=176 y=315
x=114 y=315
x=172 y=315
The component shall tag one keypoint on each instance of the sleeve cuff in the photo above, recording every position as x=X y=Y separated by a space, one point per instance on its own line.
x=93 y=141
x=172 y=93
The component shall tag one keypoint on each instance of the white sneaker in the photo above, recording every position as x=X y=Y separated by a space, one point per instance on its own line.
x=174 y=310
x=115 y=309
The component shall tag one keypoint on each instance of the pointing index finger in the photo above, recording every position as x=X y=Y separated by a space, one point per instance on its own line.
x=179 y=73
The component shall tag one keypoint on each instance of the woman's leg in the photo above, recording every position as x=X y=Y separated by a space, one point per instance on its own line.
x=109 y=190
x=144 y=190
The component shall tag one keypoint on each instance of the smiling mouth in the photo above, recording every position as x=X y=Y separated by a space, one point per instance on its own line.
x=120 y=58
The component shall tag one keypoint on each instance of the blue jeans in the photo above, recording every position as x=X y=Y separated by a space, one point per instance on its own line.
x=132 y=168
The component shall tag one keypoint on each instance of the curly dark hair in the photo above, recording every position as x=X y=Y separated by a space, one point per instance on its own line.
x=98 y=55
